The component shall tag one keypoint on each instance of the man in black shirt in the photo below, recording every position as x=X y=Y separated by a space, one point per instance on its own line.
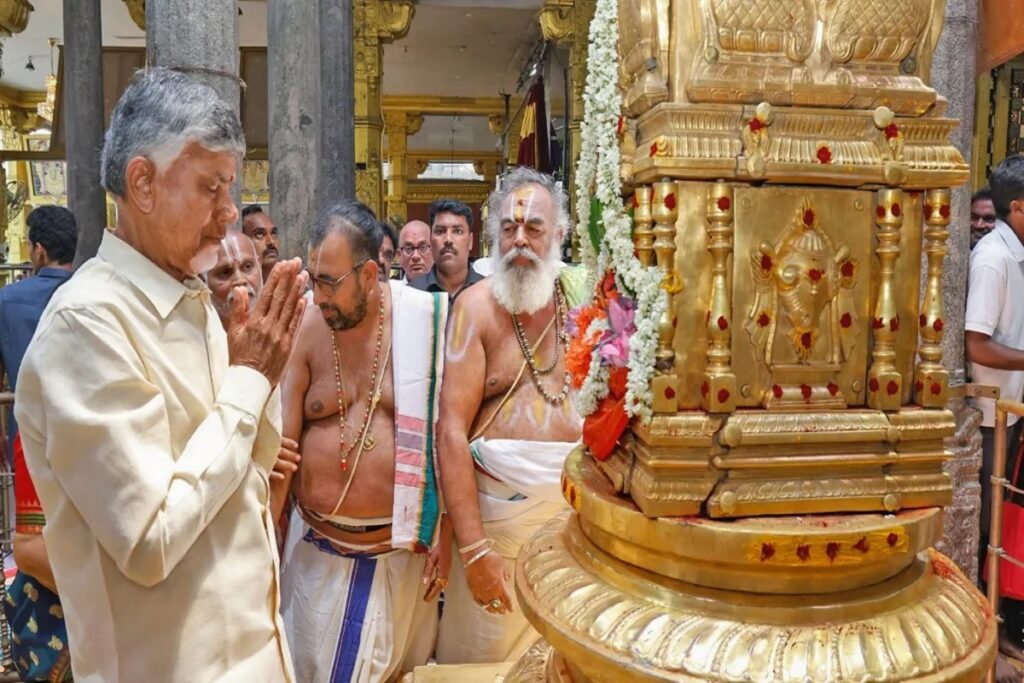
x=451 y=240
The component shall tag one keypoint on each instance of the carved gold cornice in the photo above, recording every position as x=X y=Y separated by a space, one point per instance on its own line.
x=137 y=10
x=22 y=99
x=436 y=104
x=556 y=19
x=14 y=16
x=424 y=192
x=394 y=18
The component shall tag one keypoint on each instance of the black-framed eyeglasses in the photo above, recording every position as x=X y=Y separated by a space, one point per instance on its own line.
x=410 y=249
x=322 y=282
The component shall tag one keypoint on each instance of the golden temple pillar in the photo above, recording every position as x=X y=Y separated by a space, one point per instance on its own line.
x=774 y=520
x=567 y=22
x=375 y=22
x=399 y=125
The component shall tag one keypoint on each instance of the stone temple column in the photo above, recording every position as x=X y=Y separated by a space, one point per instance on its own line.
x=83 y=122
x=337 y=141
x=953 y=77
x=293 y=56
x=199 y=38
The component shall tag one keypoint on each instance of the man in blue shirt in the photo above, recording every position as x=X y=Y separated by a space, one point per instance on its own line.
x=52 y=237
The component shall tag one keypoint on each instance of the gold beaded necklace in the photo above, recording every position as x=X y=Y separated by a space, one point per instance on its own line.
x=560 y=340
x=369 y=440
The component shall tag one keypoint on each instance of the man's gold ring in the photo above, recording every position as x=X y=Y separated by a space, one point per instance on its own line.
x=494 y=604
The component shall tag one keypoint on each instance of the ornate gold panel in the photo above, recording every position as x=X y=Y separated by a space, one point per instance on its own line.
x=643 y=53
x=801 y=282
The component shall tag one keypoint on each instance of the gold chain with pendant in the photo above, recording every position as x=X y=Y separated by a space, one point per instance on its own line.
x=369 y=441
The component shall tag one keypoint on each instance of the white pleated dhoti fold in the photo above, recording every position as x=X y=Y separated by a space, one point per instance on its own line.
x=519 y=491
x=353 y=619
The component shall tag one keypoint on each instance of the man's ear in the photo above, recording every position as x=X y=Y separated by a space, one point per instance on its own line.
x=140 y=183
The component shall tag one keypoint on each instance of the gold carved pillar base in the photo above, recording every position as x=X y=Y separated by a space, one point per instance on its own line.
x=618 y=596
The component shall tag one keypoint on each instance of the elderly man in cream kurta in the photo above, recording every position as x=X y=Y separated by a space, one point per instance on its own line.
x=148 y=432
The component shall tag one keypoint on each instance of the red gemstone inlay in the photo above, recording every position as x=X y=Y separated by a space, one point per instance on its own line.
x=877 y=323
x=809 y=217
x=846 y=320
x=892 y=539
x=923 y=320
x=723 y=395
x=847 y=269
x=805 y=389
x=880 y=211
x=777 y=390
x=824 y=155
x=892 y=131
x=862 y=544
x=670 y=393
x=670 y=201
x=803 y=551
x=919 y=386
x=833 y=388
x=937 y=325
x=944 y=210
x=724 y=203
x=767 y=551
x=755 y=124
x=766 y=262
x=654 y=149
x=894 y=324
x=704 y=389
x=873 y=384
x=936 y=388
x=927 y=210
x=814 y=274
x=832 y=549
x=897 y=210
x=764 y=320
x=807 y=340
x=723 y=324
x=892 y=387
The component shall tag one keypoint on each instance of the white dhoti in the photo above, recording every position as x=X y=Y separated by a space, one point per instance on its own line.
x=355 y=618
x=519 y=491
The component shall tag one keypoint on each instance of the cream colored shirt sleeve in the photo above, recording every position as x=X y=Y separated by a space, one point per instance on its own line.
x=109 y=446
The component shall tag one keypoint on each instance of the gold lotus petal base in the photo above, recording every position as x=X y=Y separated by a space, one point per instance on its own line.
x=610 y=621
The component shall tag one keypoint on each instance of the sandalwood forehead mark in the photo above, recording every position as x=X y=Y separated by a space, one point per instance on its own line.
x=522 y=202
x=230 y=247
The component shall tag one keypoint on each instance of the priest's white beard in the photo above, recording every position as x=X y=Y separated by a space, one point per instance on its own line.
x=205 y=259
x=525 y=289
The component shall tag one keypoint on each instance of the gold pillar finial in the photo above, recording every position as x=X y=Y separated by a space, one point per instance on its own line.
x=718 y=390
x=643 y=233
x=931 y=379
x=885 y=384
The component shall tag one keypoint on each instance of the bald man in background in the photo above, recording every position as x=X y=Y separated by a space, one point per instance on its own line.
x=238 y=265
x=414 y=253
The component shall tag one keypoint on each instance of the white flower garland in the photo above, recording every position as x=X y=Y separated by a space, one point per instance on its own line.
x=599 y=165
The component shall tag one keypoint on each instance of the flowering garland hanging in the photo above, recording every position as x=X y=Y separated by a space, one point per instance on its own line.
x=615 y=332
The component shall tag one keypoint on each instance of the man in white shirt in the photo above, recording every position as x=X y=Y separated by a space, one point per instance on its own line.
x=994 y=324
x=149 y=433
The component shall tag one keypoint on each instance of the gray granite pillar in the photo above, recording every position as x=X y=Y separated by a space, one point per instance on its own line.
x=293 y=57
x=83 y=122
x=198 y=38
x=337 y=85
x=953 y=77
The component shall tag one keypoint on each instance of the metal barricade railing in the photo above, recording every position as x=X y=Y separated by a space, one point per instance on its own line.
x=1000 y=483
x=7 y=672
x=11 y=273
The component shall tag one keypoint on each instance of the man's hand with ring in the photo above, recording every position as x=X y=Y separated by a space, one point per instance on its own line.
x=487 y=581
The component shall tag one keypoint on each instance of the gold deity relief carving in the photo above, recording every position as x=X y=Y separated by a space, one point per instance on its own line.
x=803 y=322
x=643 y=53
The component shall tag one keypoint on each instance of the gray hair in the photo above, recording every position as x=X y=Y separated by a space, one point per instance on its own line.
x=517 y=178
x=357 y=222
x=161 y=112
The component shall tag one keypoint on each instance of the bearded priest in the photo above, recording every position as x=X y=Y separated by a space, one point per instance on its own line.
x=499 y=487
